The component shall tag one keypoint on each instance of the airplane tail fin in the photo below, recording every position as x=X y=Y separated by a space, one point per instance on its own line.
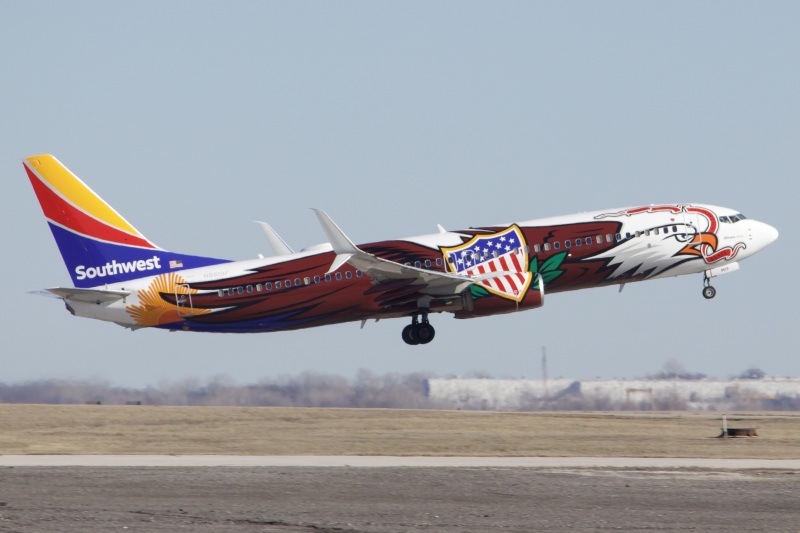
x=97 y=244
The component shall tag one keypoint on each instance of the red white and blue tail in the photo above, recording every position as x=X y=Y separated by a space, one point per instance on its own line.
x=97 y=244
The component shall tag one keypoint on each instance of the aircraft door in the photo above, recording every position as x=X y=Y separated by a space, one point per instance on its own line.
x=183 y=300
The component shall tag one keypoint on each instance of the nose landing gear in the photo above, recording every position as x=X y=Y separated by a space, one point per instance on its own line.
x=418 y=332
x=708 y=291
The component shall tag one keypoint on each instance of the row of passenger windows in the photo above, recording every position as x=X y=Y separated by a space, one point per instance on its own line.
x=427 y=263
x=607 y=238
x=297 y=282
x=569 y=243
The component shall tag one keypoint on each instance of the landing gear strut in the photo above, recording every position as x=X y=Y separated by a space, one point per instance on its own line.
x=418 y=332
x=708 y=291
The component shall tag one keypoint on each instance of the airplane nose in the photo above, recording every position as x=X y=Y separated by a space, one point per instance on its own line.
x=765 y=234
x=770 y=234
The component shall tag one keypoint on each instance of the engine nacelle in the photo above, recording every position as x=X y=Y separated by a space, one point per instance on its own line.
x=497 y=305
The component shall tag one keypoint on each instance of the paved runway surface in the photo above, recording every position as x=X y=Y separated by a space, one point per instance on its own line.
x=387 y=461
x=569 y=494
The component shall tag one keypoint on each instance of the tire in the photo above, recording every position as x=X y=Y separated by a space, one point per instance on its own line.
x=409 y=336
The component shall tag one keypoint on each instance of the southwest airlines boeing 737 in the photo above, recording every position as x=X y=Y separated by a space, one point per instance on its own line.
x=121 y=276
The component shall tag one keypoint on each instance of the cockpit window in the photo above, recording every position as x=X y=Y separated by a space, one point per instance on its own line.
x=732 y=218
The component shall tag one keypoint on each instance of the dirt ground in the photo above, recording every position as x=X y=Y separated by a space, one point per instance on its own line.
x=115 y=430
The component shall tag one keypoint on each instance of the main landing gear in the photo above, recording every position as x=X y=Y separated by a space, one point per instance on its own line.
x=708 y=291
x=419 y=331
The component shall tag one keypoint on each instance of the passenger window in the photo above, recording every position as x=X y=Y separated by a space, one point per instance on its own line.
x=316 y=279
x=278 y=285
x=578 y=242
x=338 y=275
x=536 y=248
x=240 y=290
x=296 y=282
x=556 y=245
x=359 y=273
x=221 y=292
x=268 y=285
x=608 y=238
x=619 y=237
x=547 y=247
x=628 y=235
x=589 y=240
x=438 y=262
x=348 y=274
x=307 y=281
x=427 y=263
x=327 y=277
x=417 y=264
x=655 y=231
x=567 y=244
x=258 y=287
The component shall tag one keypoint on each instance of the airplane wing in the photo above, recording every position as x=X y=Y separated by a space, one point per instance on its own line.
x=89 y=295
x=431 y=283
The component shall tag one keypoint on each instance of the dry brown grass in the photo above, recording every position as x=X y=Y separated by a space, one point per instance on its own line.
x=97 y=429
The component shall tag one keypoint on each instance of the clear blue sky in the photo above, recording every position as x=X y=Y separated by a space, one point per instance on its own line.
x=194 y=118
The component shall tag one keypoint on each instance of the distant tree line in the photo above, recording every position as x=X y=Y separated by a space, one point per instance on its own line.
x=309 y=389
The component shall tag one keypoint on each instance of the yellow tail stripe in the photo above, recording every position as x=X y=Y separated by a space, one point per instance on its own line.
x=77 y=192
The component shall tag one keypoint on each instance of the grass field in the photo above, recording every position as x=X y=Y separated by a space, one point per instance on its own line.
x=99 y=429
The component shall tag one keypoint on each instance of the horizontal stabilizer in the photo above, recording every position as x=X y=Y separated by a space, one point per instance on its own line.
x=89 y=295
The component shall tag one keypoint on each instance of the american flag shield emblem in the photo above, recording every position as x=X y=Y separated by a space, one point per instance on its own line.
x=499 y=259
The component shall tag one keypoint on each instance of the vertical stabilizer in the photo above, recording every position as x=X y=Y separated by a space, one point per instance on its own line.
x=97 y=244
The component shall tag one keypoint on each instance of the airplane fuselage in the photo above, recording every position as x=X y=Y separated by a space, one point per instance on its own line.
x=533 y=258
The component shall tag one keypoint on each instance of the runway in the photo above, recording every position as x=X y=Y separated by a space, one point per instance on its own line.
x=366 y=461
x=207 y=493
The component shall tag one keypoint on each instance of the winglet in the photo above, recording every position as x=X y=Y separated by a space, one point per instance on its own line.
x=342 y=245
x=277 y=244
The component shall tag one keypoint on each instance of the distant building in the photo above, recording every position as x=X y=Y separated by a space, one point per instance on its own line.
x=531 y=394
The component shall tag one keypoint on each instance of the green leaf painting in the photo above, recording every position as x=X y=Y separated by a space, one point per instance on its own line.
x=550 y=268
x=478 y=291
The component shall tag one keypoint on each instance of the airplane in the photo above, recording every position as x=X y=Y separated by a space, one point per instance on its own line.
x=120 y=276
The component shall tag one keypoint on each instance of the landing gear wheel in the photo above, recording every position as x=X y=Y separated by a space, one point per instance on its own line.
x=709 y=292
x=409 y=336
x=418 y=332
x=424 y=333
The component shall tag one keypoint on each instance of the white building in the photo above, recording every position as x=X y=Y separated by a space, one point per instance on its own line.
x=530 y=394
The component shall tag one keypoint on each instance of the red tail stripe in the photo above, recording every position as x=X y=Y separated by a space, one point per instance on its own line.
x=60 y=212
